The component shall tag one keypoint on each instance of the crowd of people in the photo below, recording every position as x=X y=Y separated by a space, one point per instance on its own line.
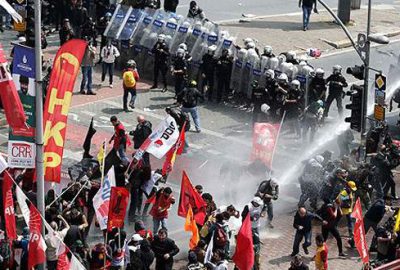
x=329 y=187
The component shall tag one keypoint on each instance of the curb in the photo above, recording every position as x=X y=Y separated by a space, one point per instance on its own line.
x=345 y=43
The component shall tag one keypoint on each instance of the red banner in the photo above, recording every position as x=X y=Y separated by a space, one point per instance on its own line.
x=265 y=136
x=36 y=241
x=244 y=253
x=177 y=149
x=359 y=232
x=118 y=204
x=63 y=75
x=12 y=104
x=8 y=204
x=190 y=197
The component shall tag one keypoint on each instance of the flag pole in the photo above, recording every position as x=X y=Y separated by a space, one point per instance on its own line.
x=277 y=139
x=103 y=163
x=39 y=115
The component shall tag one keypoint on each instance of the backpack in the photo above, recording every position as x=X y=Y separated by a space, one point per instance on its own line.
x=221 y=238
x=129 y=78
x=190 y=97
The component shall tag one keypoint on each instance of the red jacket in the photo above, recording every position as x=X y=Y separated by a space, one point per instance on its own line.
x=120 y=136
x=161 y=206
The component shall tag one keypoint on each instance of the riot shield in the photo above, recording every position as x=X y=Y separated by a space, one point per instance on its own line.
x=146 y=19
x=225 y=41
x=180 y=35
x=120 y=16
x=237 y=70
x=250 y=63
x=194 y=34
x=256 y=73
x=131 y=24
x=170 y=29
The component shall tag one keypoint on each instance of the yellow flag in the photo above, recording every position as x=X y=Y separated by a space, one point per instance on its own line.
x=100 y=155
x=397 y=224
x=190 y=225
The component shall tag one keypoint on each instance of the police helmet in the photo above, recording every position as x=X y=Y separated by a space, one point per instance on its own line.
x=247 y=41
x=319 y=72
x=295 y=84
x=108 y=14
x=319 y=159
x=320 y=103
x=270 y=73
x=337 y=69
x=212 y=49
x=183 y=46
x=257 y=200
x=283 y=78
x=268 y=50
x=250 y=45
x=352 y=185
x=291 y=55
x=180 y=53
x=161 y=37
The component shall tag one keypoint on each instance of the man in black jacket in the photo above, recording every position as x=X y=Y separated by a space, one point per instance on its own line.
x=161 y=56
x=303 y=225
x=190 y=96
x=336 y=84
x=140 y=134
x=164 y=250
x=223 y=72
x=207 y=68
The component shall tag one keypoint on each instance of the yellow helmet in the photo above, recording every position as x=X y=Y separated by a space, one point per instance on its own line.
x=352 y=185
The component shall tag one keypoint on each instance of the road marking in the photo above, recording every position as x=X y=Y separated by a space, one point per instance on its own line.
x=203 y=130
x=88 y=113
x=202 y=165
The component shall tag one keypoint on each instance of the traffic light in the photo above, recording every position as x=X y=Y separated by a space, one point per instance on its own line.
x=356 y=98
x=30 y=24
x=356 y=71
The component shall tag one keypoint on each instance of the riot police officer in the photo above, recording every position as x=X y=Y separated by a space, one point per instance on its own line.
x=336 y=83
x=268 y=52
x=207 y=68
x=161 y=56
x=179 y=72
x=317 y=86
x=294 y=105
x=258 y=97
x=223 y=70
x=281 y=92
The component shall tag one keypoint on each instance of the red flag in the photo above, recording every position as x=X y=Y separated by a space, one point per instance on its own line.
x=118 y=203
x=36 y=247
x=63 y=262
x=8 y=204
x=244 y=253
x=58 y=99
x=177 y=149
x=265 y=136
x=190 y=197
x=359 y=232
x=12 y=104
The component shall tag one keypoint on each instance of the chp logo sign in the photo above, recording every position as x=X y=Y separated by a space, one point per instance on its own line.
x=21 y=154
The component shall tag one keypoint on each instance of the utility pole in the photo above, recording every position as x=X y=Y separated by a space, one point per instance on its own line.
x=363 y=51
x=39 y=115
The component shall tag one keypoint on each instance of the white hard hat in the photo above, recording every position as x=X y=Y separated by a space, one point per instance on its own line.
x=247 y=40
x=265 y=108
x=258 y=201
x=337 y=68
x=136 y=238
x=183 y=46
x=212 y=48
x=267 y=49
x=251 y=45
x=291 y=55
x=270 y=72
x=319 y=159
x=161 y=37
x=180 y=51
x=21 y=39
x=295 y=83
x=319 y=71
x=283 y=77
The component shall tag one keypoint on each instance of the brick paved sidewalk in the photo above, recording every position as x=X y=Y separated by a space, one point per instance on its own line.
x=285 y=33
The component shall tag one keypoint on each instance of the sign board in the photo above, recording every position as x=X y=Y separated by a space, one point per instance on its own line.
x=380 y=82
x=21 y=154
x=380 y=97
x=379 y=113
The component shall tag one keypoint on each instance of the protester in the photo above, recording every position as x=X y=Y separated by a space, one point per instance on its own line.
x=297 y=263
x=108 y=54
x=130 y=77
x=161 y=207
x=66 y=32
x=164 y=250
x=190 y=97
x=307 y=6
x=120 y=139
x=139 y=135
x=195 y=12
x=321 y=256
x=52 y=241
x=87 y=68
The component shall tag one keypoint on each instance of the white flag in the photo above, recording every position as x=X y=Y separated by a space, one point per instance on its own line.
x=21 y=198
x=3 y=164
x=101 y=201
x=11 y=10
x=209 y=253
x=75 y=264
x=161 y=139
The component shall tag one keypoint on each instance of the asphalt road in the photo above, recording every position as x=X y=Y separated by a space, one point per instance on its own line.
x=223 y=10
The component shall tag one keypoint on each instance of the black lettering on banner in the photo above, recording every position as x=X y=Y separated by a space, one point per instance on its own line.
x=117 y=209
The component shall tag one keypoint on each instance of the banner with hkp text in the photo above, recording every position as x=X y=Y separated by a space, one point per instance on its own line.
x=21 y=141
x=59 y=94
